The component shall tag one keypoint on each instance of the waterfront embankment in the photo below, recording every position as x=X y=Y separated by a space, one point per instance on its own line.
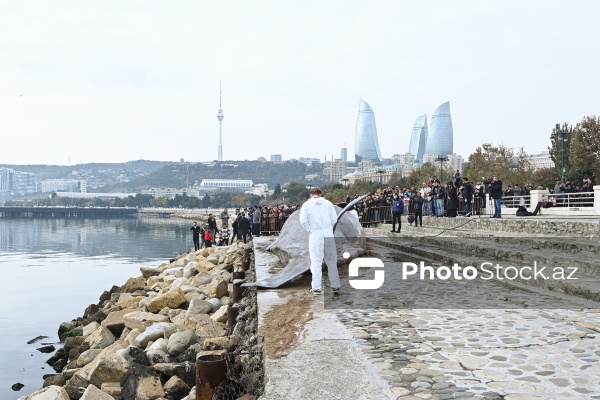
x=143 y=339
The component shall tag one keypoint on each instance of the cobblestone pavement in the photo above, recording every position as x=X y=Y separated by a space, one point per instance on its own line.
x=514 y=354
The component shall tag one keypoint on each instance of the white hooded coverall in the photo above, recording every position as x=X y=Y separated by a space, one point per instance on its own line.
x=317 y=216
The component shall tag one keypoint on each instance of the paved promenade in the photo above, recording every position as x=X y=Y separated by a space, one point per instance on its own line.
x=531 y=351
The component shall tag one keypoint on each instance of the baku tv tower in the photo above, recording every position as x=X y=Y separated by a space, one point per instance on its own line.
x=220 y=117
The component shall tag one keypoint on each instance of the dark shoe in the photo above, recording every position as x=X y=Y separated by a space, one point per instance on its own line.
x=336 y=290
x=316 y=292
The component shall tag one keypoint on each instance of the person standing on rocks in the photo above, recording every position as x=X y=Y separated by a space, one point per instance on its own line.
x=196 y=231
x=243 y=228
x=212 y=226
x=208 y=237
x=317 y=216
x=225 y=218
x=256 y=219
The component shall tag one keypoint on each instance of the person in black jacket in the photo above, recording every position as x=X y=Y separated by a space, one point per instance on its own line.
x=452 y=195
x=496 y=193
x=467 y=193
x=196 y=231
x=212 y=226
x=243 y=227
x=418 y=209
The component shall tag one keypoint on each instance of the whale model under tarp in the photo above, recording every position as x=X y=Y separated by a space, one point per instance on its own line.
x=292 y=246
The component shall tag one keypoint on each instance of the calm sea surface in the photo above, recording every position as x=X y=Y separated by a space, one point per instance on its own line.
x=52 y=269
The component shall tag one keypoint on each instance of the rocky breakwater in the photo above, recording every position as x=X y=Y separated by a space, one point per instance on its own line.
x=142 y=339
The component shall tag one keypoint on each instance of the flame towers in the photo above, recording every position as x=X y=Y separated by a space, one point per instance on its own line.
x=440 y=138
x=366 y=146
x=418 y=139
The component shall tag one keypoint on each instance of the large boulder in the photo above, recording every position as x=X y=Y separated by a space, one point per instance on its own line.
x=141 y=320
x=141 y=383
x=217 y=288
x=48 y=393
x=176 y=388
x=171 y=299
x=100 y=338
x=87 y=357
x=199 y=306
x=202 y=324
x=102 y=369
x=147 y=272
x=114 y=321
x=93 y=393
x=180 y=341
x=134 y=284
x=156 y=331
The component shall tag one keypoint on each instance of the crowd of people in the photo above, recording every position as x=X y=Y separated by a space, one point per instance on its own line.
x=433 y=198
x=458 y=196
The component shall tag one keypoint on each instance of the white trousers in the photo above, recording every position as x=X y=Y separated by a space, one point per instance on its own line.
x=321 y=246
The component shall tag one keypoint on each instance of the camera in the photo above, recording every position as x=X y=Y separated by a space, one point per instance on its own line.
x=487 y=181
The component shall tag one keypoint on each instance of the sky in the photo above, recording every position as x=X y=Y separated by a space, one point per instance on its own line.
x=116 y=81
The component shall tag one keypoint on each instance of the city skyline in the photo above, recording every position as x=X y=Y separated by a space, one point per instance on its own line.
x=115 y=82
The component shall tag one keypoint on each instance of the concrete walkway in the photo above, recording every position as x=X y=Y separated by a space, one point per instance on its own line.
x=523 y=353
x=324 y=361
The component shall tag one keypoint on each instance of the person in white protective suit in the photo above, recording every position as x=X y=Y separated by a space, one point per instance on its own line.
x=317 y=216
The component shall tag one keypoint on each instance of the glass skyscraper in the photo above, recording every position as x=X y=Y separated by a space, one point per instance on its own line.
x=366 y=146
x=418 y=139
x=440 y=138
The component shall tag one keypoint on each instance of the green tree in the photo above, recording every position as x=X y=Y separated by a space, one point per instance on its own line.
x=585 y=148
x=206 y=201
x=543 y=177
x=335 y=195
x=296 y=192
x=424 y=174
x=501 y=161
x=277 y=191
x=361 y=186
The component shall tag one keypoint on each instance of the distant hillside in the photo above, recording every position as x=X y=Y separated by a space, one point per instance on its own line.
x=97 y=175
x=178 y=175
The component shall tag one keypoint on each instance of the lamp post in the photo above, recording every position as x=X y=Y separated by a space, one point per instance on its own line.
x=345 y=180
x=563 y=137
x=441 y=159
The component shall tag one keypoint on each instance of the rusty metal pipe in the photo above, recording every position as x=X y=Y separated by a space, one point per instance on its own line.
x=211 y=371
x=237 y=293
x=232 y=314
x=238 y=275
x=245 y=264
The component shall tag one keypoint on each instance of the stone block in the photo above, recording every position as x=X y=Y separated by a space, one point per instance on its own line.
x=141 y=320
x=171 y=299
x=93 y=393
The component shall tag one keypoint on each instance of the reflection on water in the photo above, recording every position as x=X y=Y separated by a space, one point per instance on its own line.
x=138 y=238
x=52 y=269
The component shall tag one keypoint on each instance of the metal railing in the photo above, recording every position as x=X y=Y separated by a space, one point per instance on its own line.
x=272 y=224
x=375 y=215
x=516 y=201
x=577 y=199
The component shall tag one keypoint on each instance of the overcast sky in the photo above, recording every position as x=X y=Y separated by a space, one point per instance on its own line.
x=115 y=81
